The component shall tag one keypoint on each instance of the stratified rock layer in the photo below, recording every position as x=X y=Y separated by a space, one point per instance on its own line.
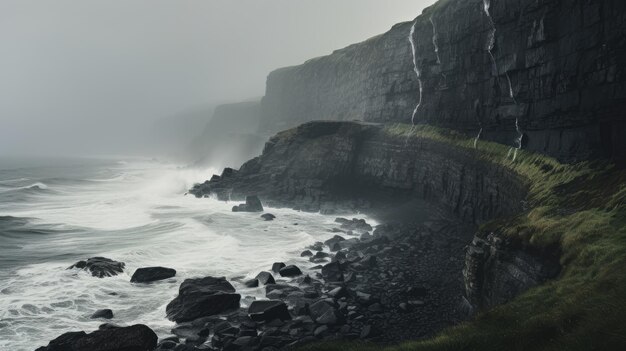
x=557 y=69
x=317 y=165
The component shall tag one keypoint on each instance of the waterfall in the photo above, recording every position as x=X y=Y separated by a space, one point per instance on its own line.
x=416 y=69
x=491 y=40
x=435 y=39
x=477 y=138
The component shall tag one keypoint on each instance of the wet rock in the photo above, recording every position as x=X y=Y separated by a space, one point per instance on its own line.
x=334 y=240
x=277 y=266
x=268 y=217
x=290 y=271
x=100 y=266
x=265 y=278
x=324 y=312
x=252 y=283
x=306 y=253
x=253 y=204
x=318 y=246
x=265 y=311
x=202 y=297
x=137 y=337
x=105 y=313
x=151 y=274
x=332 y=272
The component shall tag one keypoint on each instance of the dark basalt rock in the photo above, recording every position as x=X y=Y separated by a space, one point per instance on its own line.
x=100 y=266
x=106 y=314
x=134 y=338
x=268 y=217
x=201 y=298
x=266 y=311
x=252 y=283
x=265 y=278
x=277 y=266
x=151 y=274
x=290 y=271
x=253 y=204
x=324 y=312
x=332 y=272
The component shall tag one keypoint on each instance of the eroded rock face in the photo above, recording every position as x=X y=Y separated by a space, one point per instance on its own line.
x=100 y=267
x=134 y=338
x=496 y=271
x=320 y=164
x=202 y=297
x=563 y=81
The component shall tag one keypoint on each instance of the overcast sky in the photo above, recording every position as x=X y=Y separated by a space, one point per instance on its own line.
x=72 y=71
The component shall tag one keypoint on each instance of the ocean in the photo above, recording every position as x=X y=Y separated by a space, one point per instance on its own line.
x=54 y=212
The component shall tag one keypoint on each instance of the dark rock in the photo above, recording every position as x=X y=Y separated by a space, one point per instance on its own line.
x=265 y=278
x=150 y=274
x=268 y=217
x=134 y=338
x=252 y=283
x=495 y=271
x=277 y=266
x=202 y=297
x=324 y=312
x=265 y=311
x=290 y=271
x=332 y=272
x=253 y=204
x=106 y=314
x=100 y=266
x=334 y=240
x=306 y=253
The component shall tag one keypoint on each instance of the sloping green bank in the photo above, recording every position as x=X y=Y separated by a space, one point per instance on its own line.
x=576 y=211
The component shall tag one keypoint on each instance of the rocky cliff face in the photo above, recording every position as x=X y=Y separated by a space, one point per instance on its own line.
x=496 y=270
x=321 y=164
x=547 y=71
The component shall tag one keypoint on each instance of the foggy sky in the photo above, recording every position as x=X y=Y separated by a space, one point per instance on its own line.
x=76 y=74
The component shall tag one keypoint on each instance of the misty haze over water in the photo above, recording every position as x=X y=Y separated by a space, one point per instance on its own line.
x=82 y=77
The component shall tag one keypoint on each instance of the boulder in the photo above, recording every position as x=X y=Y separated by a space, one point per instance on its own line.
x=202 y=297
x=277 y=266
x=100 y=266
x=265 y=278
x=306 y=253
x=266 y=311
x=253 y=204
x=252 y=283
x=268 y=217
x=106 y=314
x=134 y=338
x=151 y=274
x=290 y=271
x=324 y=312
x=332 y=272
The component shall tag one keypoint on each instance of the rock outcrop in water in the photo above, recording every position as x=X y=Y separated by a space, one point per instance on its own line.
x=563 y=80
x=100 y=267
x=152 y=274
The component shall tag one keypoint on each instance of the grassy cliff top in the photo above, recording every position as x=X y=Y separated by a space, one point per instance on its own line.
x=577 y=211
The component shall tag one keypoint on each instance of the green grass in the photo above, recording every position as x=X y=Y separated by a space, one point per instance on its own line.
x=576 y=211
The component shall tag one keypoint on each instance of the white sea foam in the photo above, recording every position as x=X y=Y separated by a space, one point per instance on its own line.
x=143 y=219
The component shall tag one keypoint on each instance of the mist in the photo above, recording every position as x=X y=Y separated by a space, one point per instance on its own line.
x=84 y=77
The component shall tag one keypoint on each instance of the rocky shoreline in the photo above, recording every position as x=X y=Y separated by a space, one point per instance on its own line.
x=394 y=282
